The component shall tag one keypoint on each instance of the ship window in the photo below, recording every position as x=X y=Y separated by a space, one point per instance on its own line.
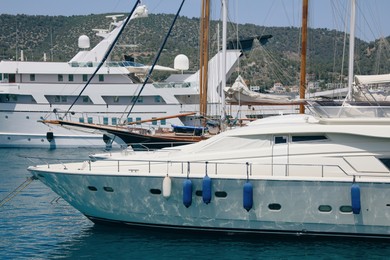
x=86 y=100
x=129 y=119
x=154 y=122
x=81 y=119
x=60 y=77
x=140 y=100
x=32 y=77
x=307 y=138
x=70 y=77
x=280 y=139
x=11 y=98
x=85 y=77
x=220 y=194
x=101 y=78
x=57 y=99
x=11 y=78
x=90 y=120
x=163 y=121
x=138 y=119
x=92 y=188
x=157 y=99
x=64 y=99
x=274 y=206
x=155 y=191
x=116 y=99
x=113 y=121
x=1 y=76
x=105 y=120
x=345 y=209
x=386 y=162
x=325 y=208
x=108 y=189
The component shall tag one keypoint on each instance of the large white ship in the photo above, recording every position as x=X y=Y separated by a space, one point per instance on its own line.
x=33 y=91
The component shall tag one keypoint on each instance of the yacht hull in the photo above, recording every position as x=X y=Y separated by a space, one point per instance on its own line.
x=280 y=206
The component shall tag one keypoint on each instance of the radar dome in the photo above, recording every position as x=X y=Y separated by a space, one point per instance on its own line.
x=181 y=62
x=84 y=42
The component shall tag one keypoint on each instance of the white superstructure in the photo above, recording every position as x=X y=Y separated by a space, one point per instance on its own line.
x=299 y=174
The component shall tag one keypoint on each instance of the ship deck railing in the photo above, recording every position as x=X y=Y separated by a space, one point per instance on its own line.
x=216 y=168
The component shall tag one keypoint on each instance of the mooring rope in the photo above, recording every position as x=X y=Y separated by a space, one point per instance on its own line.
x=16 y=191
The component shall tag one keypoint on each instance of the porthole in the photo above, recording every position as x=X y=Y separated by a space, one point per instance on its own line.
x=9 y=138
x=92 y=188
x=6 y=116
x=108 y=189
x=325 y=208
x=274 y=206
x=220 y=194
x=155 y=191
x=198 y=193
x=346 y=209
x=42 y=140
x=27 y=117
x=29 y=139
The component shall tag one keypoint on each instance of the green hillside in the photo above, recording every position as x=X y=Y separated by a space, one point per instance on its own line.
x=277 y=61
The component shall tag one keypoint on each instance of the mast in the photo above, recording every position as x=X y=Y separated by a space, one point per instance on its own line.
x=302 y=84
x=351 y=49
x=204 y=56
x=223 y=65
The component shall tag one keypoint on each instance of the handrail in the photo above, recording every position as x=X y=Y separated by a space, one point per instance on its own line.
x=182 y=167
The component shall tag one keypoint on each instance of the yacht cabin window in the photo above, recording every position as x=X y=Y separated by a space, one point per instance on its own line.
x=281 y=139
x=70 y=77
x=101 y=78
x=85 y=77
x=11 y=78
x=163 y=121
x=32 y=77
x=60 y=77
x=11 y=98
x=307 y=138
x=154 y=122
x=386 y=162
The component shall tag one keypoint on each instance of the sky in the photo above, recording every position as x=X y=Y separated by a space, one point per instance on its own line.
x=372 y=18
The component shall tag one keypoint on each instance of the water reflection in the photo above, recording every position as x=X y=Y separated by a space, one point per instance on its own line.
x=100 y=241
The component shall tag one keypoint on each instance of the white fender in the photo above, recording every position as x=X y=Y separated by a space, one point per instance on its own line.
x=167 y=187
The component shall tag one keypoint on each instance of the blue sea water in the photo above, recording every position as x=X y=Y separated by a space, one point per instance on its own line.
x=35 y=224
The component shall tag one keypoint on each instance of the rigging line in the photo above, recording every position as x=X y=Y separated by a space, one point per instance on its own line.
x=156 y=59
x=106 y=55
x=16 y=191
